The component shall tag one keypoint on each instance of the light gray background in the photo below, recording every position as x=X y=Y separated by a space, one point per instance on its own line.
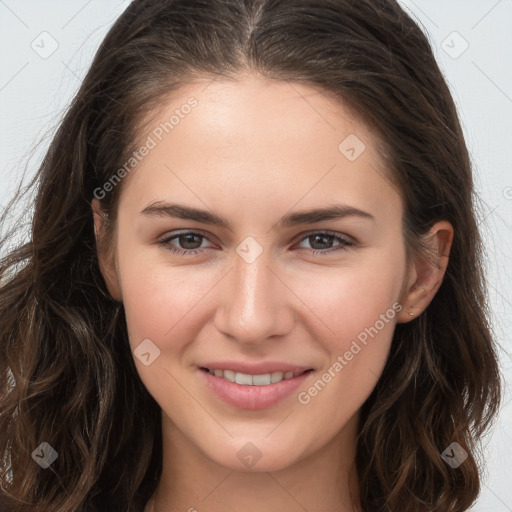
x=36 y=87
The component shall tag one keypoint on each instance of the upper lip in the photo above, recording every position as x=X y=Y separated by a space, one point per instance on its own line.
x=255 y=368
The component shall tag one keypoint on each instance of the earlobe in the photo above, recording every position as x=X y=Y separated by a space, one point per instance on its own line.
x=105 y=255
x=427 y=273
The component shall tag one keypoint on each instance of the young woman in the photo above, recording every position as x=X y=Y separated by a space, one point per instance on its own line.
x=254 y=276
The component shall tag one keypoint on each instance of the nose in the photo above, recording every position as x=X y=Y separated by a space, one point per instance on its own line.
x=255 y=302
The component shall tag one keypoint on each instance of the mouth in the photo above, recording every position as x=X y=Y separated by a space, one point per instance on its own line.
x=253 y=391
x=264 y=379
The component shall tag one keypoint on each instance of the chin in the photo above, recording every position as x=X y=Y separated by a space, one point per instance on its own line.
x=256 y=457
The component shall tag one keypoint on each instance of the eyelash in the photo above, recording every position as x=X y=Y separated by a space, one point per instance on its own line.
x=344 y=243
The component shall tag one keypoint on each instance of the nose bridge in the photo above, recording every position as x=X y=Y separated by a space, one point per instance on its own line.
x=252 y=286
x=253 y=305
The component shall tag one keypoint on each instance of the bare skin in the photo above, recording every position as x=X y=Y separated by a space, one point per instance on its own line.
x=253 y=151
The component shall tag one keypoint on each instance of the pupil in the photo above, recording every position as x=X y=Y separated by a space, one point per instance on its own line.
x=188 y=241
x=325 y=238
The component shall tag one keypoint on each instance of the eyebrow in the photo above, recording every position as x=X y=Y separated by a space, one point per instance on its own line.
x=332 y=212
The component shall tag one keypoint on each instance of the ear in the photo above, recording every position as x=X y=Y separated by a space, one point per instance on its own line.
x=426 y=275
x=106 y=257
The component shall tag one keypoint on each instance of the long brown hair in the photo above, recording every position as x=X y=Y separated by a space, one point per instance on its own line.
x=67 y=375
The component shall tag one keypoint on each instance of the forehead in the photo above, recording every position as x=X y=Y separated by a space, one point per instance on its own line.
x=259 y=139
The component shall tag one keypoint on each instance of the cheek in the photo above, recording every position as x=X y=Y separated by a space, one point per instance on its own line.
x=338 y=304
x=359 y=308
x=159 y=301
x=347 y=313
x=353 y=300
x=162 y=304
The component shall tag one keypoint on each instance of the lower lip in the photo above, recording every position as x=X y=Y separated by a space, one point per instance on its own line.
x=253 y=397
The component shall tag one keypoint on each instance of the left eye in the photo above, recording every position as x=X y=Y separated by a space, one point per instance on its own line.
x=327 y=238
x=191 y=242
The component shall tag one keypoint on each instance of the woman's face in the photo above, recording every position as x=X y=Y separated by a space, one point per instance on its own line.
x=271 y=287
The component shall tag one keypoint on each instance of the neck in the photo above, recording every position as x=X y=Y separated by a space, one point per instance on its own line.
x=324 y=481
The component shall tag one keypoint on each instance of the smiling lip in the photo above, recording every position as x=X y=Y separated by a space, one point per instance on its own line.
x=255 y=369
x=253 y=397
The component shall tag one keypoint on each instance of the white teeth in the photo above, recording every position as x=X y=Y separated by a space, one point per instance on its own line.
x=243 y=378
x=229 y=375
x=276 y=377
x=262 y=380
x=253 y=380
